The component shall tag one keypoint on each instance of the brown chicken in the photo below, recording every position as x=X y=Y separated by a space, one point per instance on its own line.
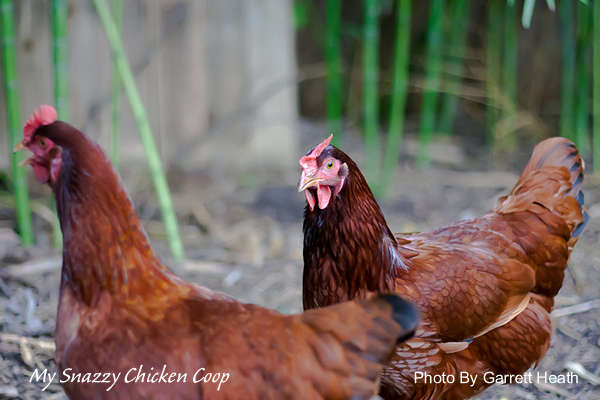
x=150 y=335
x=484 y=286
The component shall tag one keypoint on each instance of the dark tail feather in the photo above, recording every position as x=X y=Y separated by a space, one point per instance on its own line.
x=580 y=199
x=581 y=226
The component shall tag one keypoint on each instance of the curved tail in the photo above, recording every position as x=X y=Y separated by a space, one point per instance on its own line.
x=552 y=179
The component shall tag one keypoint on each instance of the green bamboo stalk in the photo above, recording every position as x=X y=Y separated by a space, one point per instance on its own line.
x=582 y=66
x=60 y=59
x=509 y=72
x=458 y=21
x=494 y=59
x=399 y=90
x=13 y=119
x=433 y=67
x=596 y=77
x=156 y=170
x=301 y=14
x=60 y=56
x=567 y=124
x=334 y=69
x=371 y=106
x=117 y=12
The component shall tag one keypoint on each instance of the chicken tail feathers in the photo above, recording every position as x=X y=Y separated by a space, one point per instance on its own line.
x=586 y=217
x=366 y=333
x=552 y=179
x=403 y=312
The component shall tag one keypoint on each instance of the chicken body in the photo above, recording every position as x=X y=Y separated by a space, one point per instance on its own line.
x=484 y=286
x=122 y=313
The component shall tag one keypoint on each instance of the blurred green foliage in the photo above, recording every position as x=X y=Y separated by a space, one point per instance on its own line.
x=433 y=65
x=13 y=120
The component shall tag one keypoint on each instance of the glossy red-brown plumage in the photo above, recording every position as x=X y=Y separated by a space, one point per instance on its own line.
x=484 y=286
x=120 y=308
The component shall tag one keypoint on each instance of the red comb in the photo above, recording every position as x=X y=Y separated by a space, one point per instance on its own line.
x=310 y=160
x=44 y=116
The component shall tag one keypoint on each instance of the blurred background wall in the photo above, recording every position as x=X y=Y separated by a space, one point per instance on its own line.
x=217 y=78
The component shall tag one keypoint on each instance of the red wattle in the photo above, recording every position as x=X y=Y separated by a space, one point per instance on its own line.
x=324 y=194
x=41 y=173
x=310 y=199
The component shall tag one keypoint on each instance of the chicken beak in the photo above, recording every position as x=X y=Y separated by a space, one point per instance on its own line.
x=27 y=161
x=20 y=146
x=308 y=181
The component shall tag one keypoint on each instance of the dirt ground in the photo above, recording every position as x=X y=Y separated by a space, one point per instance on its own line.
x=246 y=241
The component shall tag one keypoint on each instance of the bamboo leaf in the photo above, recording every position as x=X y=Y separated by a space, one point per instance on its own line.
x=528 y=7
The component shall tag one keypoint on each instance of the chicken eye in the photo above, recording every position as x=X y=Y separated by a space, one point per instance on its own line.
x=43 y=143
x=329 y=164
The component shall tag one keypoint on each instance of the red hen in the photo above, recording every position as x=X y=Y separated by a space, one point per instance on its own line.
x=484 y=286
x=122 y=312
